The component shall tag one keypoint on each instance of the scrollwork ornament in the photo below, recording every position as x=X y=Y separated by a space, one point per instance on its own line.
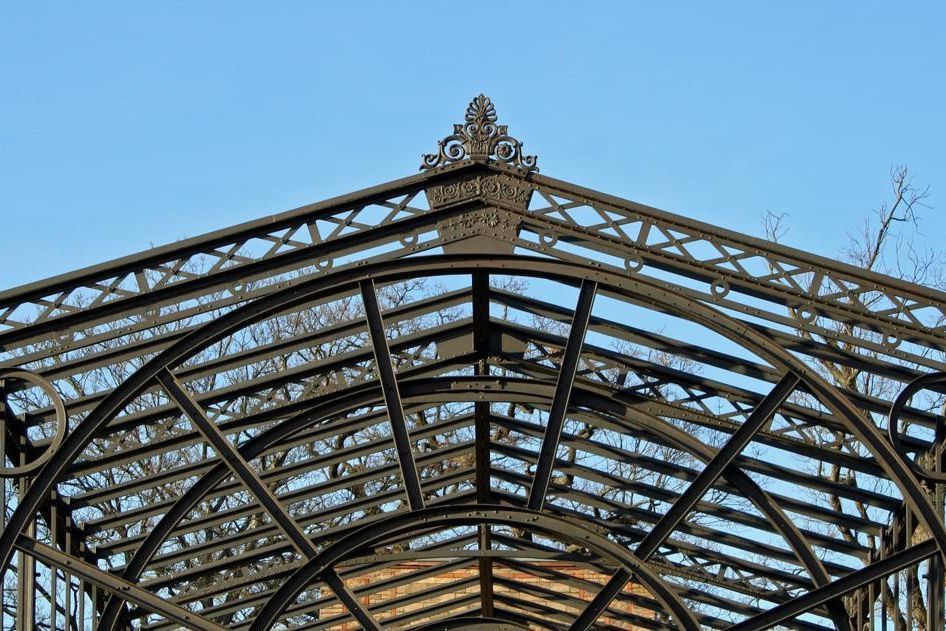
x=928 y=474
x=480 y=138
x=490 y=221
x=492 y=188
x=62 y=421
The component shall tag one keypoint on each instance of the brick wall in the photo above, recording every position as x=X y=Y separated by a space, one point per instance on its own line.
x=465 y=582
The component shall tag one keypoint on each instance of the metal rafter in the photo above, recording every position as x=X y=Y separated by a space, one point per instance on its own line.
x=563 y=390
x=380 y=499
x=392 y=398
x=644 y=406
x=480 y=304
x=841 y=587
x=163 y=321
x=457 y=515
x=125 y=590
x=688 y=500
x=230 y=455
x=715 y=467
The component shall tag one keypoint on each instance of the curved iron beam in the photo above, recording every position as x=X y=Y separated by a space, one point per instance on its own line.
x=325 y=407
x=419 y=390
x=893 y=423
x=900 y=473
x=446 y=516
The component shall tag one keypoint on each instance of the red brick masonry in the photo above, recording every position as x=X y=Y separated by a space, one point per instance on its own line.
x=504 y=578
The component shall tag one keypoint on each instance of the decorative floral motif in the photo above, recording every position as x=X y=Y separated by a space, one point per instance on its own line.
x=489 y=221
x=480 y=138
x=491 y=188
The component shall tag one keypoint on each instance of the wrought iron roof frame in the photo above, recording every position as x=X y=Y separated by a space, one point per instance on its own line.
x=480 y=188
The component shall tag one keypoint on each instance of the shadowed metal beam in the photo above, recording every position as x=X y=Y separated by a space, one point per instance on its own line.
x=688 y=500
x=841 y=587
x=715 y=467
x=123 y=589
x=485 y=567
x=563 y=390
x=601 y=601
x=351 y=602
x=236 y=463
x=400 y=525
x=579 y=406
x=392 y=397
x=480 y=300
x=242 y=470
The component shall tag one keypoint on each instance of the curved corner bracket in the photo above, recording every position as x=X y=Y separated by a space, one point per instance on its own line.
x=480 y=138
x=61 y=422
x=893 y=424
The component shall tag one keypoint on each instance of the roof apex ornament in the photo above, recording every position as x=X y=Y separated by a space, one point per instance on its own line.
x=480 y=139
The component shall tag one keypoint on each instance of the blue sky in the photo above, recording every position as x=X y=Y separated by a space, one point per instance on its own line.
x=130 y=124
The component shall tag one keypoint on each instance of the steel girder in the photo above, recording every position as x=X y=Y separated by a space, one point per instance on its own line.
x=244 y=405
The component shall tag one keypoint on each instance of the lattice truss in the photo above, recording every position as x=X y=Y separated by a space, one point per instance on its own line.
x=477 y=397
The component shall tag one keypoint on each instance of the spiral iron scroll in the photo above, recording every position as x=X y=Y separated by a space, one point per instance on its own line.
x=61 y=422
x=893 y=424
x=479 y=137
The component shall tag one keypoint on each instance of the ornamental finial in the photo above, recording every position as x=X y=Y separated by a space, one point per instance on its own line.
x=480 y=138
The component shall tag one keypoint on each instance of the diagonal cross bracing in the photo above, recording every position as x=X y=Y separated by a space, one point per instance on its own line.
x=267 y=499
x=117 y=586
x=102 y=334
x=563 y=390
x=715 y=468
x=237 y=464
x=688 y=500
x=392 y=396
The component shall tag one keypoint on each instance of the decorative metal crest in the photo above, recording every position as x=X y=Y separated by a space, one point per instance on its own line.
x=493 y=188
x=480 y=138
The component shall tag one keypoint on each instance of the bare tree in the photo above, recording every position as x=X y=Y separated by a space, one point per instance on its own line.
x=885 y=241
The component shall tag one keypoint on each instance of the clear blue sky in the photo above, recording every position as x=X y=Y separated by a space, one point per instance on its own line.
x=130 y=124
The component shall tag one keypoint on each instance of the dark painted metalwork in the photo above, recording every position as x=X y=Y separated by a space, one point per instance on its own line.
x=715 y=467
x=458 y=515
x=128 y=591
x=392 y=398
x=27 y=468
x=935 y=473
x=351 y=602
x=563 y=390
x=480 y=138
x=285 y=479
x=237 y=465
x=480 y=307
x=840 y=587
x=162 y=531
x=602 y=599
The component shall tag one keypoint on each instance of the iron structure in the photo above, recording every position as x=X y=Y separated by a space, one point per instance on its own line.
x=473 y=398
